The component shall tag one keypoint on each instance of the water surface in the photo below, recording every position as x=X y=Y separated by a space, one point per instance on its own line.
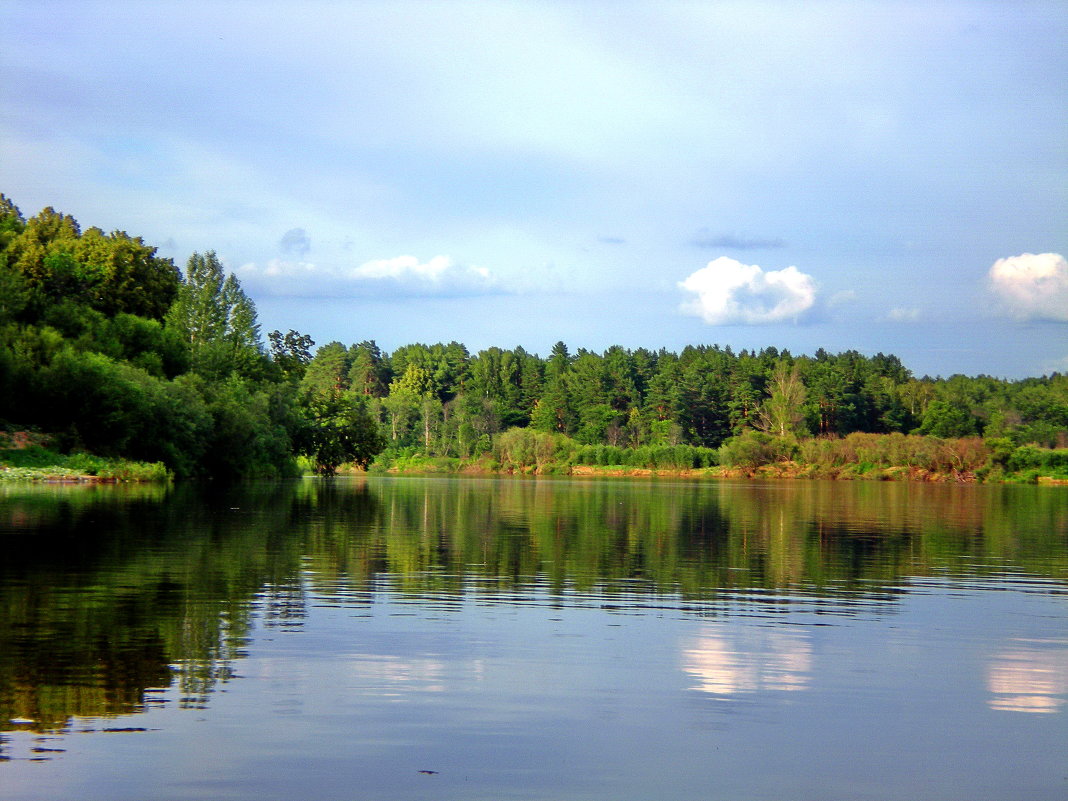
x=409 y=638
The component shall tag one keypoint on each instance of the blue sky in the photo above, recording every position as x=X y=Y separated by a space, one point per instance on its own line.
x=882 y=176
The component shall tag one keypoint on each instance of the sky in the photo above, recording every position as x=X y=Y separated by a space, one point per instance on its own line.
x=875 y=176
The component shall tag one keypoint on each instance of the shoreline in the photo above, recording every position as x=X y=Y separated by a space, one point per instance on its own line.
x=13 y=475
x=57 y=474
x=62 y=475
x=782 y=471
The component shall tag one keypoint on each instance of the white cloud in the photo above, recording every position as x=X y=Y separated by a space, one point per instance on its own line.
x=728 y=291
x=278 y=268
x=406 y=275
x=903 y=315
x=1031 y=286
x=402 y=276
x=405 y=268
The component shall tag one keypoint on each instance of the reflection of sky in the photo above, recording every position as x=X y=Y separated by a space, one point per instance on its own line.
x=393 y=677
x=1030 y=677
x=748 y=661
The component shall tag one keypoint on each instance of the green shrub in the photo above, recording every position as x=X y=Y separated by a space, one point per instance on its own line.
x=36 y=463
x=752 y=449
x=866 y=452
x=1040 y=461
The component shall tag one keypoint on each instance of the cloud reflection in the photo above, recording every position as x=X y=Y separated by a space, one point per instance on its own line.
x=394 y=677
x=1032 y=677
x=747 y=662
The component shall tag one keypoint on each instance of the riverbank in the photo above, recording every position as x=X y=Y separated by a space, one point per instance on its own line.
x=114 y=471
x=856 y=457
x=108 y=472
x=24 y=456
x=783 y=470
x=787 y=470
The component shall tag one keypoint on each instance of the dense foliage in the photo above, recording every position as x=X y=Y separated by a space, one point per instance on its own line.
x=116 y=351
x=112 y=350
x=703 y=406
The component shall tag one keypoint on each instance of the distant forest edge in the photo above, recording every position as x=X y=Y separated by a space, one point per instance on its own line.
x=120 y=364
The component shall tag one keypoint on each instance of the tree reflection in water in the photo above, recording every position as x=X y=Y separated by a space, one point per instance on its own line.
x=108 y=594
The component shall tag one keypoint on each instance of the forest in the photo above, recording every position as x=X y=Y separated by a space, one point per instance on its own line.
x=108 y=350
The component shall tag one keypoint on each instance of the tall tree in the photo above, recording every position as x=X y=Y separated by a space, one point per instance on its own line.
x=782 y=413
x=328 y=372
x=369 y=374
x=217 y=320
x=291 y=353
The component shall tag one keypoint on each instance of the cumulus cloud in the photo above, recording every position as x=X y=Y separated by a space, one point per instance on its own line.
x=1031 y=286
x=728 y=291
x=406 y=275
x=295 y=241
x=402 y=276
x=404 y=268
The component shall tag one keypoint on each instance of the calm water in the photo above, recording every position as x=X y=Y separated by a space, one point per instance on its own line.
x=409 y=638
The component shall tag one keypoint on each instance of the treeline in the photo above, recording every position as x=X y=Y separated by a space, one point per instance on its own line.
x=706 y=405
x=116 y=351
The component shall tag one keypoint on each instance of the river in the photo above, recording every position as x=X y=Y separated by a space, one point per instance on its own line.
x=553 y=639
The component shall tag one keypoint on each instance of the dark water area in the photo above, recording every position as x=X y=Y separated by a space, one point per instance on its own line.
x=463 y=638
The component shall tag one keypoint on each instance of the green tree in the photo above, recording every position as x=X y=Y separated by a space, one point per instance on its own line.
x=947 y=420
x=553 y=412
x=328 y=372
x=12 y=224
x=370 y=373
x=121 y=273
x=704 y=393
x=111 y=272
x=747 y=381
x=405 y=402
x=663 y=403
x=338 y=431
x=782 y=414
x=829 y=403
x=291 y=353
x=215 y=317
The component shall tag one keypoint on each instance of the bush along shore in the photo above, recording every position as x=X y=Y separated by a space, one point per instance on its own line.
x=24 y=456
x=527 y=452
x=755 y=454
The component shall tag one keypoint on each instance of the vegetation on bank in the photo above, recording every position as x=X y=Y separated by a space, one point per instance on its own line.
x=27 y=456
x=119 y=353
x=116 y=352
x=36 y=463
x=855 y=456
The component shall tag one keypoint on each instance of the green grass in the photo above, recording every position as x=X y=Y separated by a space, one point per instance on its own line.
x=37 y=463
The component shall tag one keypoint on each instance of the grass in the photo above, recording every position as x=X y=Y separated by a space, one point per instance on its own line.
x=37 y=463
